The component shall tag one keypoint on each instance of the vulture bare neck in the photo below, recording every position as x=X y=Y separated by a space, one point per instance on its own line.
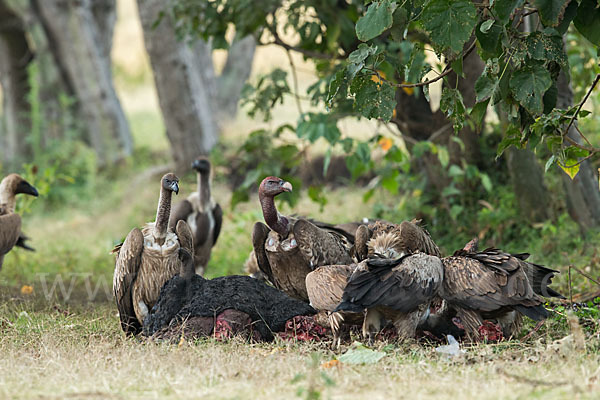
x=204 y=191
x=162 y=216
x=8 y=200
x=274 y=221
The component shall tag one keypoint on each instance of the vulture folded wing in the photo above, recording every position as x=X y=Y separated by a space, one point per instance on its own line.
x=127 y=266
x=180 y=212
x=400 y=284
x=10 y=229
x=185 y=236
x=202 y=229
x=218 y=217
x=319 y=246
x=325 y=285
x=416 y=238
x=474 y=285
x=260 y=232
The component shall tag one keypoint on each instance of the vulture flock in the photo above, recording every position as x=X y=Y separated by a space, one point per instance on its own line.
x=306 y=277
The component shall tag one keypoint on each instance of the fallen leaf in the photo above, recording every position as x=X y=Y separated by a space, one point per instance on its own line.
x=361 y=355
x=26 y=289
x=331 y=364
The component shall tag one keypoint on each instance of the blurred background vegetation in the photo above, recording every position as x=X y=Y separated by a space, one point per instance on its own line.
x=100 y=114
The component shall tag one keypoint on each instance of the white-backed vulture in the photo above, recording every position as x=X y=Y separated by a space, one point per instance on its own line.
x=147 y=259
x=10 y=223
x=287 y=249
x=379 y=239
x=203 y=215
x=399 y=290
x=492 y=284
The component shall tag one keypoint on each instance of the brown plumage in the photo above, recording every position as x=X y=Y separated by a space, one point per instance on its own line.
x=10 y=223
x=325 y=287
x=147 y=259
x=405 y=238
x=203 y=215
x=287 y=249
x=493 y=284
x=399 y=290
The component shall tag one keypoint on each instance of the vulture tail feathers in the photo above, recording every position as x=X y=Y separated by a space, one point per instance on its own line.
x=542 y=279
x=21 y=243
x=348 y=306
x=536 y=313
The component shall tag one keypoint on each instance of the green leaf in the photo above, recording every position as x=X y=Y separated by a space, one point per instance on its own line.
x=443 y=156
x=504 y=9
x=361 y=53
x=450 y=191
x=326 y=161
x=377 y=19
x=452 y=105
x=570 y=167
x=551 y=11
x=315 y=193
x=318 y=126
x=550 y=98
x=372 y=99
x=450 y=22
x=547 y=45
x=485 y=86
x=569 y=14
x=361 y=355
x=486 y=25
x=486 y=182
x=529 y=84
x=587 y=21
x=490 y=39
x=549 y=163
x=390 y=181
x=334 y=87
x=455 y=171
x=363 y=152
x=478 y=113
x=401 y=20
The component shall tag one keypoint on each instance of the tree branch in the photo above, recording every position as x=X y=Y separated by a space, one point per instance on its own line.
x=587 y=95
x=309 y=53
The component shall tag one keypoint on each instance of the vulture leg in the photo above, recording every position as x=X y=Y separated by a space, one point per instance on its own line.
x=406 y=324
x=511 y=324
x=371 y=325
x=471 y=322
x=336 y=319
x=259 y=236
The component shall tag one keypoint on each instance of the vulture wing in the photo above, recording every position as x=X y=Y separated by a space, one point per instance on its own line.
x=180 y=212
x=400 y=284
x=128 y=262
x=325 y=285
x=321 y=247
x=218 y=217
x=259 y=237
x=416 y=238
x=484 y=283
x=10 y=229
x=185 y=236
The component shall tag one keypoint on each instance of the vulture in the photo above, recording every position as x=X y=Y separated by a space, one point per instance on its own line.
x=188 y=295
x=493 y=284
x=288 y=248
x=147 y=259
x=10 y=223
x=203 y=215
x=397 y=289
x=326 y=285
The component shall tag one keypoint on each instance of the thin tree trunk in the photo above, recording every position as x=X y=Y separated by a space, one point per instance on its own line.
x=183 y=94
x=15 y=56
x=74 y=37
x=234 y=76
x=583 y=194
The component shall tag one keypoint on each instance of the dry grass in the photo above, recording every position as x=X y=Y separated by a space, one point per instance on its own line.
x=80 y=352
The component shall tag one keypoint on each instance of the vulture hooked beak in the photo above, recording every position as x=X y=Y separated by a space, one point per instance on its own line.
x=26 y=188
x=175 y=187
x=286 y=186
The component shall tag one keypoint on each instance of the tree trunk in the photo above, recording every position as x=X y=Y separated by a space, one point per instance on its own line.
x=15 y=56
x=528 y=183
x=583 y=194
x=74 y=37
x=234 y=76
x=183 y=94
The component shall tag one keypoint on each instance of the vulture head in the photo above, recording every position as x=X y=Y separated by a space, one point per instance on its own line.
x=472 y=246
x=386 y=245
x=14 y=184
x=187 y=269
x=201 y=165
x=271 y=186
x=170 y=182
